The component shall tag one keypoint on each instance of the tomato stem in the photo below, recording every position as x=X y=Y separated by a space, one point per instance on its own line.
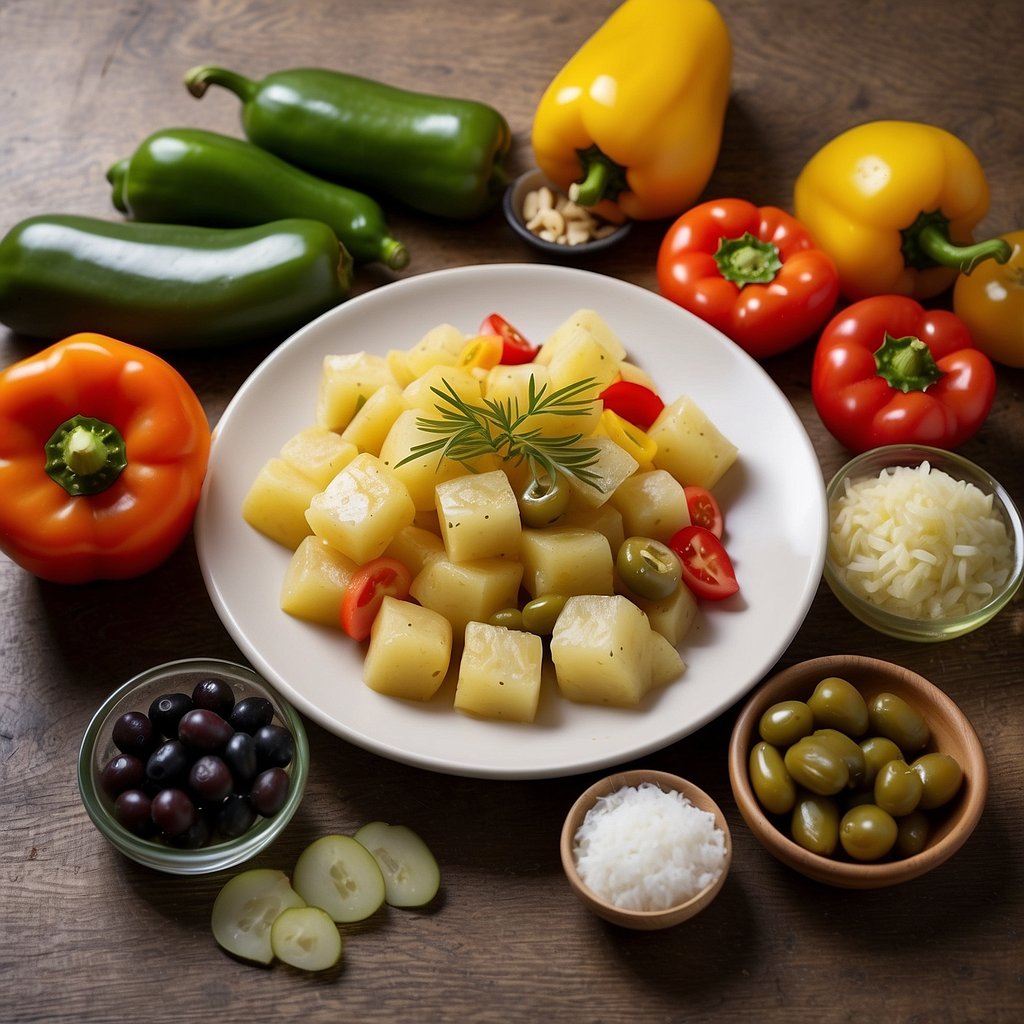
x=747 y=260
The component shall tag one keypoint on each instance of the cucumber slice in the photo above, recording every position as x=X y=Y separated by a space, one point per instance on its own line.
x=246 y=909
x=341 y=877
x=306 y=938
x=411 y=874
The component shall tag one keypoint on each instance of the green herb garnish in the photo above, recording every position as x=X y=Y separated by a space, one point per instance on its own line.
x=467 y=431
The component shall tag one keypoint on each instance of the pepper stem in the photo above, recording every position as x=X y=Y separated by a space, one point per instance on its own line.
x=602 y=178
x=747 y=260
x=85 y=455
x=906 y=364
x=926 y=243
x=198 y=79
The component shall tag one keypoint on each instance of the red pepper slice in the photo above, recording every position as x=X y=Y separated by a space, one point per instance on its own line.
x=633 y=402
x=888 y=371
x=706 y=567
x=516 y=349
x=754 y=273
x=704 y=509
x=370 y=584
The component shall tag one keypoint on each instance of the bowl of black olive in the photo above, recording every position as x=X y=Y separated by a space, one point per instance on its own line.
x=193 y=766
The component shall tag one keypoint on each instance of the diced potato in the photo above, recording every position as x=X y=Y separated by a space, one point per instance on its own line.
x=601 y=651
x=632 y=373
x=398 y=361
x=667 y=664
x=276 y=502
x=581 y=357
x=479 y=517
x=409 y=650
x=510 y=385
x=361 y=509
x=420 y=393
x=467 y=592
x=421 y=474
x=319 y=453
x=500 y=673
x=672 y=616
x=370 y=425
x=690 y=446
x=586 y=320
x=606 y=519
x=346 y=381
x=652 y=505
x=566 y=560
x=414 y=546
x=315 y=582
x=613 y=465
x=440 y=346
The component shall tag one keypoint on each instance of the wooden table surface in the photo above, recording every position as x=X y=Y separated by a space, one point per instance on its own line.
x=88 y=936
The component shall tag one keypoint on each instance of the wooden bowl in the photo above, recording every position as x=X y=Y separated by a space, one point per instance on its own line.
x=951 y=733
x=644 y=920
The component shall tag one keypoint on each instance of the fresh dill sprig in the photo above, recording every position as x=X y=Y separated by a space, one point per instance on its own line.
x=466 y=431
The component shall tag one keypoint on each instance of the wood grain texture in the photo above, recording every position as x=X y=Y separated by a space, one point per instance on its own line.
x=89 y=937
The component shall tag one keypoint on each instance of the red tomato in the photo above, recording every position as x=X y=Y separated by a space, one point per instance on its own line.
x=370 y=584
x=707 y=568
x=516 y=349
x=632 y=402
x=704 y=509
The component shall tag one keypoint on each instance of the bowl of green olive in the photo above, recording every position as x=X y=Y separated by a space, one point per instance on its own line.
x=856 y=772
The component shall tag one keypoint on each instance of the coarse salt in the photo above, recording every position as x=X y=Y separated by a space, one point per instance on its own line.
x=642 y=848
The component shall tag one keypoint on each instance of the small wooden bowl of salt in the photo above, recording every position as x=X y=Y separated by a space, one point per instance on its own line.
x=645 y=849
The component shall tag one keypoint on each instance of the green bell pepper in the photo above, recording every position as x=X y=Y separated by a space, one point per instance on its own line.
x=435 y=154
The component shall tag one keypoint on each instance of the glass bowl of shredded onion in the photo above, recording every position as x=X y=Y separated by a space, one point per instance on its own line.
x=645 y=849
x=923 y=544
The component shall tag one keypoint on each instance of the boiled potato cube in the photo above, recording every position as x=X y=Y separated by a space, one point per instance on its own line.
x=582 y=357
x=566 y=560
x=420 y=394
x=500 y=673
x=465 y=592
x=611 y=467
x=440 y=346
x=606 y=519
x=479 y=517
x=631 y=372
x=690 y=446
x=319 y=453
x=414 y=546
x=361 y=509
x=276 y=502
x=409 y=650
x=652 y=505
x=346 y=381
x=667 y=664
x=398 y=361
x=601 y=651
x=672 y=616
x=370 y=425
x=315 y=582
x=586 y=320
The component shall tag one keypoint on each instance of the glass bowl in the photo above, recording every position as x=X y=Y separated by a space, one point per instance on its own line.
x=950 y=732
x=641 y=920
x=512 y=204
x=137 y=695
x=870 y=465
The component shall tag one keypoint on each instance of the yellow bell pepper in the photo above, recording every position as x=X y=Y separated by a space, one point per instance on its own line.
x=632 y=124
x=894 y=204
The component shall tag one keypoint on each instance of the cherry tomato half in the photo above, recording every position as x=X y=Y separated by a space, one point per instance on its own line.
x=706 y=567
x=704 y=509
x=365 y=593
x=516 y=349
x=633 y=402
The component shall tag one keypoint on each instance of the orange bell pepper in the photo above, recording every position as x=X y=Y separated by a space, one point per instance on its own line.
x=103 y=452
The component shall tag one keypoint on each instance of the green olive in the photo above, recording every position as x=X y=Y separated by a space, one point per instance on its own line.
x=849 y=750
x=941 y=777
x=510 y=618
x=539 y=615
x=814 y=764
x=867 y=833
x=837 y=704
x=897 y=788
x=814 y=824
x=648 y=568
x=544 y=500
x=786 y=722
x=877 y=750
x=771 y=781
x=893 y=717
x=912 y=833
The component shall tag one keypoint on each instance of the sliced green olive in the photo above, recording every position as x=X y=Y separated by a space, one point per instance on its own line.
x=814 y=764
x=814 y=824
x=510 y=618
x=540 y=614
x=878 y=751
x=837 y=704
x=648 y=568
x=786 y=722
x=770 y=780
x=893 y=717
x=941 y=777
x=898 y=788
x=912 y=833
x=544 y=500
x=867 y=833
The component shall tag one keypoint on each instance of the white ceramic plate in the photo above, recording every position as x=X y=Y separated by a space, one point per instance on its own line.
x=773 y=498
